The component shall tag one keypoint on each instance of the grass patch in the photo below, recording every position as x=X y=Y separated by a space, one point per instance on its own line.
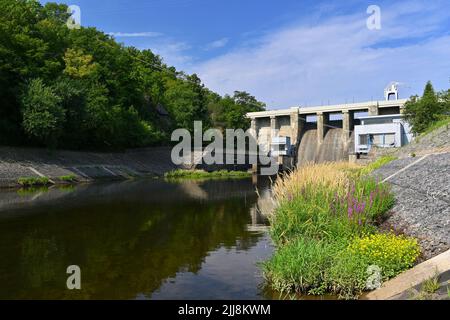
x=325 y=231
x=69 y=178
x=445 y=121
x=382 y=161
x=33 y=181
x=201 y=174
x=431 y=285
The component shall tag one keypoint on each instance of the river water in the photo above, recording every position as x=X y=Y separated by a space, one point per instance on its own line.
x=146 y=239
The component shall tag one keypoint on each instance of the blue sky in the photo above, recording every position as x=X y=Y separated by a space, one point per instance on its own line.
x=288 y=52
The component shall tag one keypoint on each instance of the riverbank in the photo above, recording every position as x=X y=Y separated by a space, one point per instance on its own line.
x=17 y=163
x=29 y=166
x=325 y=229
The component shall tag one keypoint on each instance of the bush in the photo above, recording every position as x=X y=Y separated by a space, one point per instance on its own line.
x=393 y=254
x=33 y=181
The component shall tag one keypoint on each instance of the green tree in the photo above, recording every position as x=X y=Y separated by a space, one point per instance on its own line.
x=82 y=89
x=229 y=112
x=78 y=64
x=424 y=111
x=43 y=116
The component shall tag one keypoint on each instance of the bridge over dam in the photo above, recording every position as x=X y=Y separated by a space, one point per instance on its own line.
x=316 y=134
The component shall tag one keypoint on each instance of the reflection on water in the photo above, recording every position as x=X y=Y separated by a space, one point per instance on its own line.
x=134 y=240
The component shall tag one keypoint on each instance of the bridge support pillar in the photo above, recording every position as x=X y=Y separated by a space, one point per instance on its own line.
x=320 y=127
x=346 y=124
x=296 y=127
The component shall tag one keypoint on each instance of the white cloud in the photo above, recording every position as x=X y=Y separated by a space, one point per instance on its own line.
x=217 y=44
x=174 y=53
x=147 y=34
x=339 y=59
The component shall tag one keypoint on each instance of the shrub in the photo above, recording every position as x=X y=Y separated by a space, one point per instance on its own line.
x=33 y=181
x=393 y=254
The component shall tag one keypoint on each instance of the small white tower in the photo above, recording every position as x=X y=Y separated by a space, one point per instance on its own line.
x=391 y=89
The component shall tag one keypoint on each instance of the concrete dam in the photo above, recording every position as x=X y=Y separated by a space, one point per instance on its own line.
x=316 y=134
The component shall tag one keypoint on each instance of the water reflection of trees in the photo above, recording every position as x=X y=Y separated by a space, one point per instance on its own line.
x=126 y=246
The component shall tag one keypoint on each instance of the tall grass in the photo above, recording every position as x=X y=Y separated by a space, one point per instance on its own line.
x=321 y=210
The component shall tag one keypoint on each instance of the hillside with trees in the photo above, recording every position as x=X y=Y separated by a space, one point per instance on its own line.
x=80 y=89
x=428 y=111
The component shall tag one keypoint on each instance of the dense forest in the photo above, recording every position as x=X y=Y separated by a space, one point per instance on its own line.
x=80 y=89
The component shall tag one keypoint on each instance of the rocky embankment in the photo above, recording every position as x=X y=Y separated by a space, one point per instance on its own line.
x=422 y=190
x=85 y=166
x=420 y=179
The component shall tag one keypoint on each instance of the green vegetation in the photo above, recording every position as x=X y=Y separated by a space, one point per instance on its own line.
x=33 y=181
x=427 y=290
x=431 y=285
x=443 y=122
x=28 y=191
x=325 y=231
x=391 y=253
x=201 y=174
x=382 y=161
x=430 y=111
x=69 y=178
x=80 y=89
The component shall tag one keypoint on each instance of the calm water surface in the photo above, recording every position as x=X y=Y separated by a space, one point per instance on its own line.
x=135 y=240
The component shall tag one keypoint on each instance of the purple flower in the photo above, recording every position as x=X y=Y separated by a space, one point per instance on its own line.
x=350 y=212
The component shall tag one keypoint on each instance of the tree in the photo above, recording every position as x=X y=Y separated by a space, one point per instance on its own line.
x=43 y=116
x=78 y=64
x=229 y=112
x=422 y=112
x=186 y=101
x=79 y=88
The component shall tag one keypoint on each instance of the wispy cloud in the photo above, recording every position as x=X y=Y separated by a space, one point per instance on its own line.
x=217 y=44
x=147 y=34
x=338 y=59
x=172 y=51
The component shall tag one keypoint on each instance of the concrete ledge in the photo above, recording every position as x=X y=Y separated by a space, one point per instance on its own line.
x=413 y=277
